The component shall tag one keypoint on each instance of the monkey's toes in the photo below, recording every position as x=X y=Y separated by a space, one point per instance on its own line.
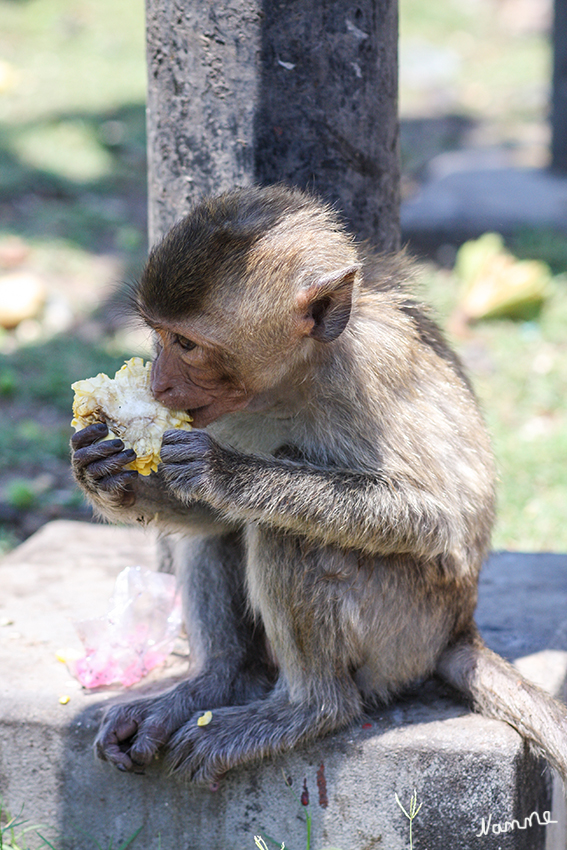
x=150 y=738
x=192 y=754
x=113 y=743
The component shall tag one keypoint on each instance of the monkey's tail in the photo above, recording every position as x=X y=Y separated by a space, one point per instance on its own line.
x=497 y=690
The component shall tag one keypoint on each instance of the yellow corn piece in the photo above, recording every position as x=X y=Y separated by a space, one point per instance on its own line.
x=205 y=718
x=127 y=405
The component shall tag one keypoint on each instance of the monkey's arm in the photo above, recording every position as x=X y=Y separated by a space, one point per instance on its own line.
x=374 y=513
x=122 y=495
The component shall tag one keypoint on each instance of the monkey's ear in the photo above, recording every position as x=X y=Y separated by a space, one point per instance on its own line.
x=326 y=304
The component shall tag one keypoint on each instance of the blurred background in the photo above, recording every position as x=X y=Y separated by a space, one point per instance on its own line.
x=475 y=83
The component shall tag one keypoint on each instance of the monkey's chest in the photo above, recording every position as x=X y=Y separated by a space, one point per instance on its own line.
x=252 y=434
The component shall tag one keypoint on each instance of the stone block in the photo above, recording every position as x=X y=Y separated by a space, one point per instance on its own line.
x=464 y=199
x=472 y=775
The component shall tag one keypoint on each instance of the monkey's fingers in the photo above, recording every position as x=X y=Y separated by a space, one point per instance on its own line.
x=186 y=446
x=197 y=754
x=151 y=736
x=101 y=467
x=197 y=439
x=89 y=435
x=108 y=463
x=174 y=436
x=121 y=487
x=90 y=454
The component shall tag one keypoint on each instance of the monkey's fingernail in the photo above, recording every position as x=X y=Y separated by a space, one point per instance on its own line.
x=121 y=768
x=101 y=426
x=116 y=444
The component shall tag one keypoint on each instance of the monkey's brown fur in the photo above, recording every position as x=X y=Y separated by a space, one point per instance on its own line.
x=337 y=508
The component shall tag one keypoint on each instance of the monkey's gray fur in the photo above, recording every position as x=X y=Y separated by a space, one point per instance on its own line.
x=333 y=528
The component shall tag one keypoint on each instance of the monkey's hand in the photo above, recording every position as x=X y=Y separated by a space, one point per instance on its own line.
x=196 y=466
x=122 y=495
x=99 y=467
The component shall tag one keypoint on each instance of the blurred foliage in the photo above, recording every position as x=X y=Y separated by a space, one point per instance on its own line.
x=519 y=370
x=541 y=244
x=498 y=285
x=46 y=371
x=73 y=185
x=72 y=124
x=35 y=429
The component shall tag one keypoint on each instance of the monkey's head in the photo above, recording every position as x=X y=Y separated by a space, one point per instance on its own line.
x=240 y=294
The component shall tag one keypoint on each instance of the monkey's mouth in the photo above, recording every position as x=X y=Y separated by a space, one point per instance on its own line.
x=208 y=413
x=203 y=415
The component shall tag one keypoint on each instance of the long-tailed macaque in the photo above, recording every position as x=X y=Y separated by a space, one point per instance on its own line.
x=336 y=496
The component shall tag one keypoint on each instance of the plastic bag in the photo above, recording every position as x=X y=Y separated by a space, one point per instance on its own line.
x=136 y=635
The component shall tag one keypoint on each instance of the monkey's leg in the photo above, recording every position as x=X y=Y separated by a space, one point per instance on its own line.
x=308 y=618
x=240 y=734
x=228 y=651
x=497 y=690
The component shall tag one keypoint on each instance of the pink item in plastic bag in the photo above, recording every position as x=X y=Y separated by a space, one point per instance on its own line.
x=136 y=635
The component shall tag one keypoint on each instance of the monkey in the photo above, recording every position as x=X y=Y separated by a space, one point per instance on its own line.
x=330 y=511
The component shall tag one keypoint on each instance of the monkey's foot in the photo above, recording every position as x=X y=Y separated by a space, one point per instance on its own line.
x=131 y=734
x=206 y=747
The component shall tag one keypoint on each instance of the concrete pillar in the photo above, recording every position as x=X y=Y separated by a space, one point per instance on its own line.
x=262 y=91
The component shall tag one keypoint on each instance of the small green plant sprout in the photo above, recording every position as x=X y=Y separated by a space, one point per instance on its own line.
x=303 y=801
x=261 y=844
x=14 y=829
x=411 y=815
x=47 y=844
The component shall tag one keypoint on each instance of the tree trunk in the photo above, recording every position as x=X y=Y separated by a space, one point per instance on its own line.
x=296 y=91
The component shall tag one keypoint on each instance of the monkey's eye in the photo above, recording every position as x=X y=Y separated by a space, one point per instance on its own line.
x=185 y=344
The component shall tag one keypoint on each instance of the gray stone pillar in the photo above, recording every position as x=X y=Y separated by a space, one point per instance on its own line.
x=262 y=91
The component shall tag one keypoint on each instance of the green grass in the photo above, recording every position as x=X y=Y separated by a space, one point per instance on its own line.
x=519 y=370
x=38 y=398
x=72 y=123
x=70 y=58
x=17 y=833
x=489 y=69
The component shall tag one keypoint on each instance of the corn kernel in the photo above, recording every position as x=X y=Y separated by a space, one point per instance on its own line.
x=205 y=718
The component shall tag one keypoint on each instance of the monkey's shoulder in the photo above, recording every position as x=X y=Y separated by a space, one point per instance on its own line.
x=397 y=332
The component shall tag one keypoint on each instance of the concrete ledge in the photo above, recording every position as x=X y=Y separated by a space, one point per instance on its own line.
x=463 y=199
x=464 y=768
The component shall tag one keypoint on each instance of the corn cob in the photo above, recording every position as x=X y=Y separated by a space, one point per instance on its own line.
x=126 y=404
